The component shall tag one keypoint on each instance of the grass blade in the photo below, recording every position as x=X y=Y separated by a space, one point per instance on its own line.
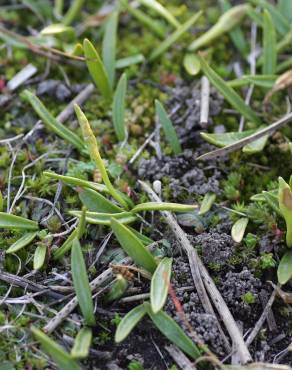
x=82 y=343
x=285 y=268
x=285 y=8
x=229 y=94
x=280 y=22
x=143 y=238
x=133 y=246
x=163 y=206
x=81 y=283
x=12 y=222
x=269 y=45
x=98 y=218
x=95 y=202
x=53 y=349
x=91 y=143
x=159 y=284
x=39 y=257
x=149 y=22
x=66 y=246
x=174 y=37
x=73 y=12
x=266 y=81
x=119 y=102
x=109 y=46
x=225 y=23
x=25 y=240
x=97 y=69
x=51 y=122
x=238 y=229
x=226 y=138
x=128 y=322
x=161 y=10
x=129 y=61
x=168 y=128
x=207 y=203
x=173 y=332
x=236 y=34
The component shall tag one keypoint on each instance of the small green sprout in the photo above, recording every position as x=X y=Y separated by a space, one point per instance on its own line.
x=248 y=298
x=285 y=205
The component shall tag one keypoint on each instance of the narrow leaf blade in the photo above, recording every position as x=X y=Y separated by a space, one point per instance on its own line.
x=285 y=268
x=109 y=46
x=238 y=229
x=159 y=284
x=82 y=343
x=12 y=222
x=128 y=322
x=119 y=102
x=25 y=240
x=39 y=257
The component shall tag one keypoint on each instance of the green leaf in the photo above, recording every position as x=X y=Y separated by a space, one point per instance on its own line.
x=56 y=29
x=97 y=69
x=66 y=246
x=236 y=34
x=256 y=146
x=163 y=206
x=225 y=139
x=11 y=222
x=209 y=199
x=225 y=23
x=280 y=22
x=149 y=22
x=91 y=144
x=119 y=102
x=117 y=289
x=229 y=94
x=266 y=81
x=73 y=11
x=128 y=322
x=109 y=46
x=82 y=343
x=192 y=64
x=98 y=218
x=95 y=202
x=285 y=205
x=133 y=246
x=82 y=223
x=51 y=122
x=1 y=202
x=53 y=349
x=143 y=238
x=285 y=8
x=159 y=284
x=174 y=37
x=39 y=257
x=161 y=10
x=238 y=229
x=25 y=240
x=173 y=332
x=129 y=61
x=272 y=200
x=168 y=128
x=269 y=45
x=285 y=268
x=81 y=283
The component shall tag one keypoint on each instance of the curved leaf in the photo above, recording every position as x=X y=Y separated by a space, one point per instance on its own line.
x=285 y=268
x=109 y=46
x=192 y=64
x=207 y=203
x=51 y=122
x=39 y=257
x=82 y=343
x=133 y=246
x=161 y=10
x=96 y=69
x=163 y=206
x=168 y=128
x=159 y=284
x=66 y=246
x=119 y=108
x=128 y=322
x=226 y=138
x=8 y=221
x=105 y=218
x=238 y=229
x=95 y=202
x=53 y=349
x=81 y=283
x=173 y=332
x=25 y=240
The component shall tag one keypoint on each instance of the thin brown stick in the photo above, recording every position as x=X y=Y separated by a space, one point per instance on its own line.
x=261 y=320
x=215 y=295
x=180 y=358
